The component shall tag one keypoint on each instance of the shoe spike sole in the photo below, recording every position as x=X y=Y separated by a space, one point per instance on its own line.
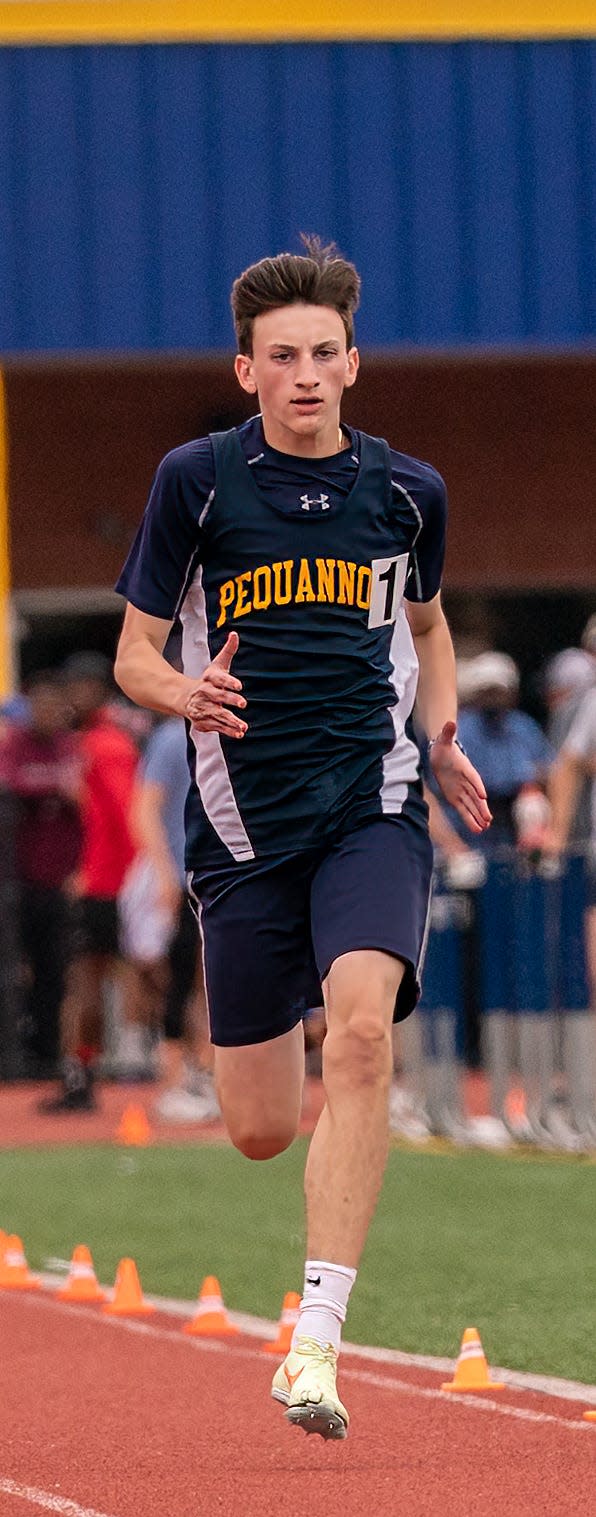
x=315 y=1417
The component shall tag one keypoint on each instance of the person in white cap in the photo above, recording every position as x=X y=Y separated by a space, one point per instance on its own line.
x=567 y=678
x=510 y=746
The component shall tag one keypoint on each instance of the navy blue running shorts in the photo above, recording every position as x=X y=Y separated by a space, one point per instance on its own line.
x=273 y=927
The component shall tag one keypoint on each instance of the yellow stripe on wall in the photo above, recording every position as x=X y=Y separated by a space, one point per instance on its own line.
x=5 y=639
x=36 y=21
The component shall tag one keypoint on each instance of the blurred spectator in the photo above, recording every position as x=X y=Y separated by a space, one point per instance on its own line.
x=40 y=767
x=160 y=933
x=14 y=711
x=577 y=760
x=109 y=760
x=501 y=970
x=134 y=720
x=588 y=637
x=507 y=746
x=567 y=678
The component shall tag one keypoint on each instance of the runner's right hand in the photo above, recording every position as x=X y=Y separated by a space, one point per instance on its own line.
x=207 y=705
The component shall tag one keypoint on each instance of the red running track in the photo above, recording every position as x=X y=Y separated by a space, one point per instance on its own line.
x=106 y=1418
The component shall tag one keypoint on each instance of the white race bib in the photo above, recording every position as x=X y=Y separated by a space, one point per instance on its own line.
x=387 y=588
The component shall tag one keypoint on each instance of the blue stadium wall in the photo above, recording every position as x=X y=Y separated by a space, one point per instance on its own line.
x=136 y=181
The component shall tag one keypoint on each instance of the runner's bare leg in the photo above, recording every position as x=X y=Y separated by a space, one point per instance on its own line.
x=259 y=1087
x=348 y=1151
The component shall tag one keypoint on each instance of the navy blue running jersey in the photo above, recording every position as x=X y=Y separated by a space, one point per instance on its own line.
x=308 y=560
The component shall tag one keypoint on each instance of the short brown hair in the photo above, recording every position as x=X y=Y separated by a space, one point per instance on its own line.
x=318 y=277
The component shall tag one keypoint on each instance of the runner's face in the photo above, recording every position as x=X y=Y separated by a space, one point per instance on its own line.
x=299 y=368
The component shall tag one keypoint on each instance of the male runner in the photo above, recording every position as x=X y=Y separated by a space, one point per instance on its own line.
x=304 y=560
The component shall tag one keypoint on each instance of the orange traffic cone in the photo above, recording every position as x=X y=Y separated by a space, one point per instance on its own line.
x=133 y=1129
x=471 y=1370
x=128 y=1299
x=81 y=1284
x=589 y=1416
x=286 y=1325
x=211 y=1320
x=15 y=1274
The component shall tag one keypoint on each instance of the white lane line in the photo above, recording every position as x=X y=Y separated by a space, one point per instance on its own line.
x=522 y=1413
x=364 y=1377
x=262 y=1328
x=47 y=1501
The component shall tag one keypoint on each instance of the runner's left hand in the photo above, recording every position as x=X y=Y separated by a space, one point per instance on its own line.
x=459 y=781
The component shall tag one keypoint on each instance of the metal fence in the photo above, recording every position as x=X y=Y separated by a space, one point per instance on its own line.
x=506 y=964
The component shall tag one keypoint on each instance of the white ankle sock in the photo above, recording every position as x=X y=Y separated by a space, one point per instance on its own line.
x=324 y=1303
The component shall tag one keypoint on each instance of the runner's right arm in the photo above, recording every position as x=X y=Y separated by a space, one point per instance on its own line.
x=146 y=677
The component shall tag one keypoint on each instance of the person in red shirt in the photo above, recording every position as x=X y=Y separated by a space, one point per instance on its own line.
x=109 y=759
x=40 y=770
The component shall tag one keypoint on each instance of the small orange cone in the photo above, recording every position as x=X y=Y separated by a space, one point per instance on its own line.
x=471 y=1370
x=81 y=1284
x=133 y=1129
x=128 y=1300
x=211 y=1320
x=286 y=1325
x=15 y=1274
x=589 y=1416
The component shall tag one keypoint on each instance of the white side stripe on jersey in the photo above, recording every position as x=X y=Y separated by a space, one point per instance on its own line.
x=208 y=503
x=188 y=578
x=395 y=485
x=211 y=771
x=425 y=934
x=400 y=765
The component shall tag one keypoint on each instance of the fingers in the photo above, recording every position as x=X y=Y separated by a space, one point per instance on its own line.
x=224 y=658
x=218 y=726
x=207 y=706
x=468 y=799
x=473 y=813
x=472 y=778
x=471 y=821
x=221 y=687
x=217 y=719
x=219 y=696
x=200 y=709
x=476 y=799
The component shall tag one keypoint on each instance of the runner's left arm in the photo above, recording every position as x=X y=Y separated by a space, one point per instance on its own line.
x=436 y=701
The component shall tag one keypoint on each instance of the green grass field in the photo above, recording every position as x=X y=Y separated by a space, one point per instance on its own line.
x=504 y=1244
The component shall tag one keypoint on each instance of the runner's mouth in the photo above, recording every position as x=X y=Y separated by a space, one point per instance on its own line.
x=314 y=401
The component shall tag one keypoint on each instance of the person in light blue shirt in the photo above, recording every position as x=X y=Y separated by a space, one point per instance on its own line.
x=165 y=765
x=162 y=933
x=514 y=756
x=509 y=747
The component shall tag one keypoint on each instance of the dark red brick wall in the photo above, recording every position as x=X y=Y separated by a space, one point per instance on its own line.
x=513 y=436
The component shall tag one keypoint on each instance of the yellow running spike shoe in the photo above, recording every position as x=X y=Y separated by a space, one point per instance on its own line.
x=305 y=1382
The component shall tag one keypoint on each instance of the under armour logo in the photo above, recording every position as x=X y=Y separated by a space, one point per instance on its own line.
x=318 y=500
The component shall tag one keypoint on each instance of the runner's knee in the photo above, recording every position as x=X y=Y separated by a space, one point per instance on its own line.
x=358 y=1050
x=260 y=1143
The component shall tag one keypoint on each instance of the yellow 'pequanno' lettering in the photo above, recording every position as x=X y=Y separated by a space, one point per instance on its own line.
x=329 y=581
